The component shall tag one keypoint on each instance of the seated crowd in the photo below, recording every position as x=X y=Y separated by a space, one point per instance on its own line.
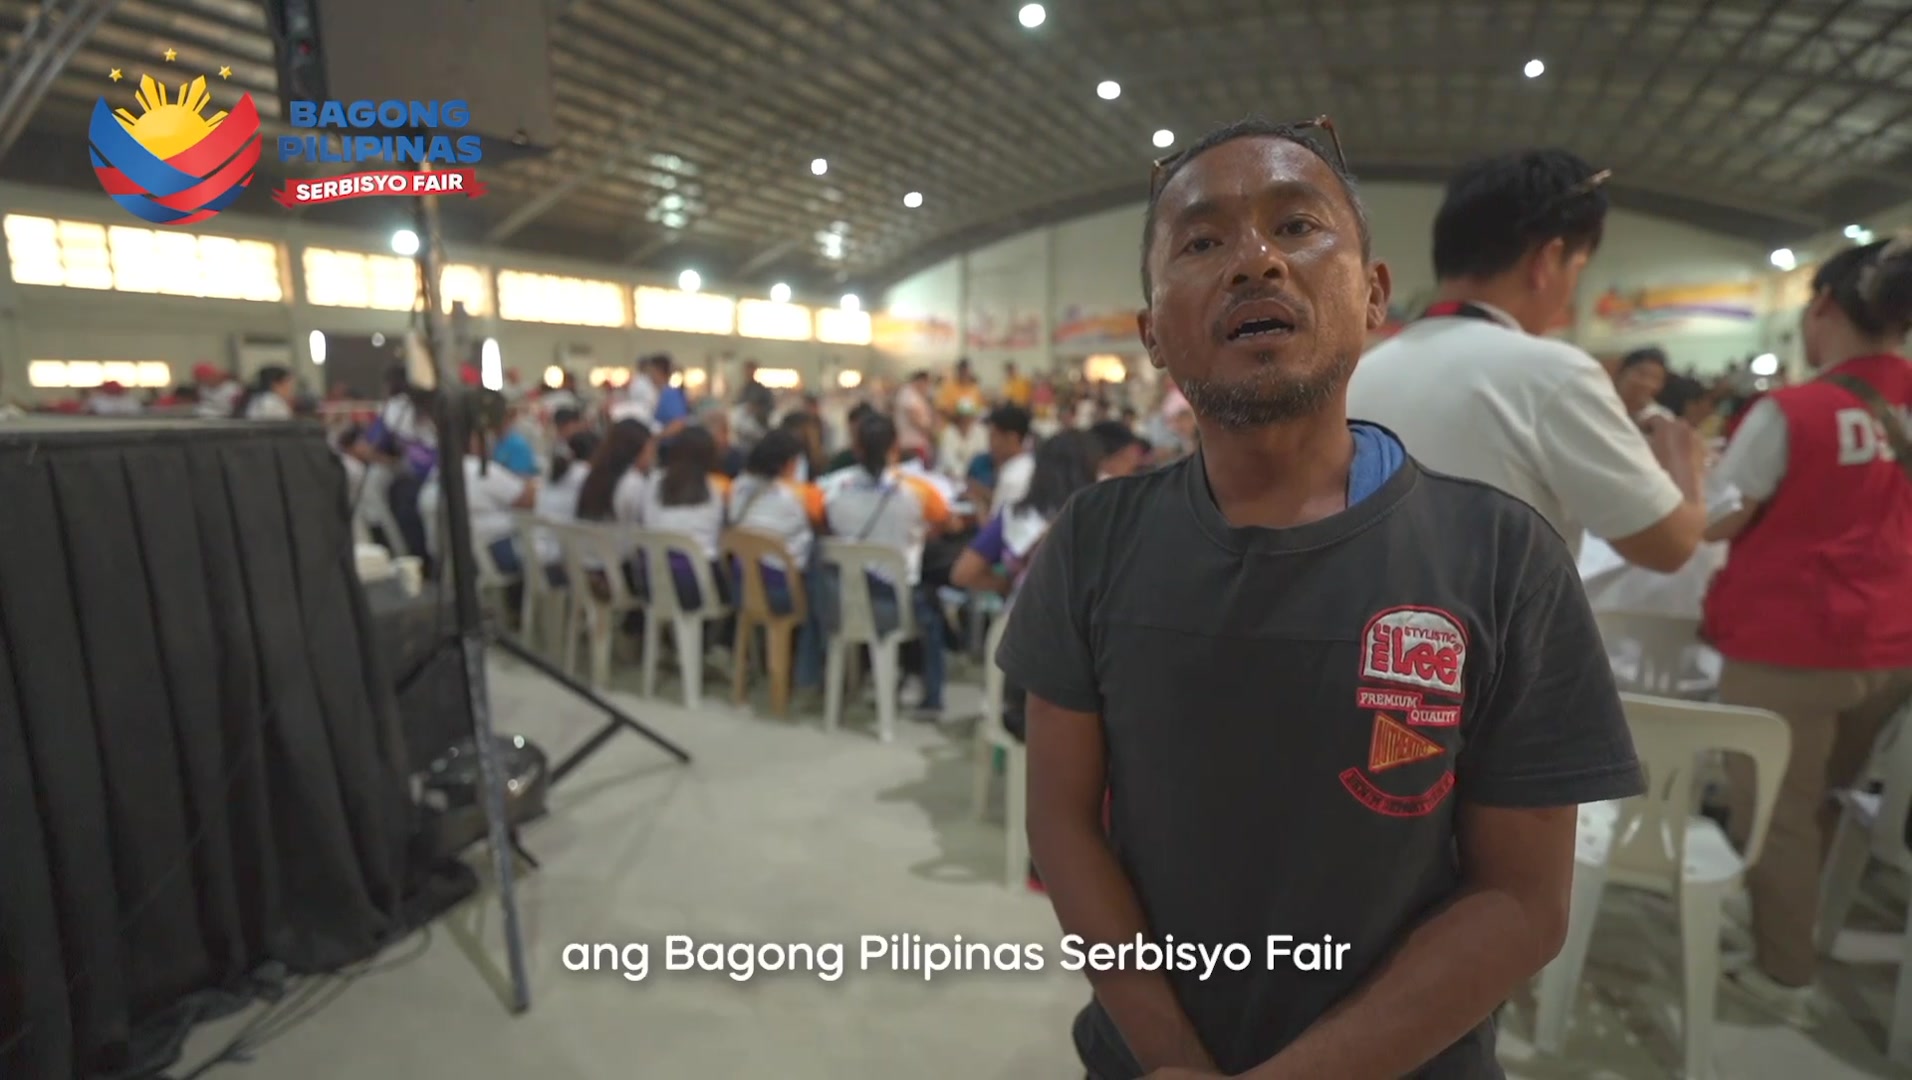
x=960 y=481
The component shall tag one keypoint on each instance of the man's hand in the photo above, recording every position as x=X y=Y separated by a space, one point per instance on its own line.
x=1675 y=444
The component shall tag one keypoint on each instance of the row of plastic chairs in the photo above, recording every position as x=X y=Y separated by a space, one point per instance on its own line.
x=594 y=611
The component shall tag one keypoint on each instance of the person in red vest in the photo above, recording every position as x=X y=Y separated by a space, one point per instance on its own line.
x=1813 y=611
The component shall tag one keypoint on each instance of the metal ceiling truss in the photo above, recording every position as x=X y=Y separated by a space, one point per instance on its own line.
x=687 y=129
x=52 y=33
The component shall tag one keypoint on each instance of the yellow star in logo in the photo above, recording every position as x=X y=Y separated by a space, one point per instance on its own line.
x=171 y=55
x=114 y=75
x=225 y=72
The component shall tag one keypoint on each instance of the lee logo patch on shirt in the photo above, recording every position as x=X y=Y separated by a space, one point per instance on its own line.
x=1419 y=656
x=1419 y=652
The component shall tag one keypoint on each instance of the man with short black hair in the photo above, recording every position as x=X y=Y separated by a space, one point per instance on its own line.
x=1474 y=389
x=1009 y=448
x=566 y=421
x=1342 y=709
x=1123 y=451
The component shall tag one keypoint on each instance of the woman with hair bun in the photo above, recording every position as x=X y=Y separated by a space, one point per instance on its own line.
x=1813 y=612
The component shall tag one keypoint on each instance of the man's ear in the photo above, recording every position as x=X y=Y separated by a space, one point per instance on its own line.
x=1145 y=329
x=1380 y=291
x=1545 y=261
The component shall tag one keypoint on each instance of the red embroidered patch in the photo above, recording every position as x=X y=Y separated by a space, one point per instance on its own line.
x=1403 y=806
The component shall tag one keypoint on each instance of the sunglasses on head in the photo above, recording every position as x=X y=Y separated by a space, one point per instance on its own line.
x=1580 y=190
x=1165 y=166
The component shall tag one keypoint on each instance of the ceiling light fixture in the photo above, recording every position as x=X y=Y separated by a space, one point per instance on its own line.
x=690 y=281
x=405 y=242
x=1765 y=365
x=818 y=166
x=1164 y=138
x=1534 y=69
x=913 y=200
x=1784 y=258
x=780 y=293
x=1031 y=15
x=851 y=303
x=1108 y=89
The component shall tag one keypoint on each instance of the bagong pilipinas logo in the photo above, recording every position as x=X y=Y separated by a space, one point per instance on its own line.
x=428 y=133
x=172 y=164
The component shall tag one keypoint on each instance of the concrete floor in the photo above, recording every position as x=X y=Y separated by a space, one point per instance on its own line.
x=781 y=833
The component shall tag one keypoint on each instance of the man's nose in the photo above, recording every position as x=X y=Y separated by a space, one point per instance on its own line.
x=1260 y=258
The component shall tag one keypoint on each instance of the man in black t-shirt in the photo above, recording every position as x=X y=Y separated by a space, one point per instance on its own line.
x=1330 y=695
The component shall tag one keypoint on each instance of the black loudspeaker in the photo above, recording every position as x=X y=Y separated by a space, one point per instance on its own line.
x=495 y=55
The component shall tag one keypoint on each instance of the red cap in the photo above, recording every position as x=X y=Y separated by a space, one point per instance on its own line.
x=112 y=386
x=207 y=373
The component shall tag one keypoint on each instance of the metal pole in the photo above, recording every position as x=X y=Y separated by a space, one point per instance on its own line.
x=453 y=444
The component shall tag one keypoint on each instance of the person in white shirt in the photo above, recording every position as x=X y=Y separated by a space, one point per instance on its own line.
x=1009 y=447
x=1473 y=390
x=879 y=503
x=112 y=399
x=614 y=484
x=219 y=392
x=962 y=440
x=770 y=499
x=558 y=497
x=491 y=492
x=639 y=401
x=687 y=497
x=271 y=395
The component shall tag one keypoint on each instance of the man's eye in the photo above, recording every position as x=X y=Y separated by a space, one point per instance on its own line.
x=1201 y=243
x=1297 y=227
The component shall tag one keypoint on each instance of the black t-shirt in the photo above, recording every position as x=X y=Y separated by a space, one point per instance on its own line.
x=1293 y=715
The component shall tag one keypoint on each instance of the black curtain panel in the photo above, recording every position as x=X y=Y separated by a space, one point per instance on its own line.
x=199 y=772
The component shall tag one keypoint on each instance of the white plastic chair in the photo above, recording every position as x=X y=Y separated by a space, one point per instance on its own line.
x=857 y=618
x=1648 y=652
x=600 y=597
x=1873 y=826
x=493 y=580
x=662 y=605
x=542 y=610
x=991 y=737
x=1657 y=843
x=374 y=508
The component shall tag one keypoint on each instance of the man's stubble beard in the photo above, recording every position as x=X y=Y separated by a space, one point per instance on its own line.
x=1271 y=395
